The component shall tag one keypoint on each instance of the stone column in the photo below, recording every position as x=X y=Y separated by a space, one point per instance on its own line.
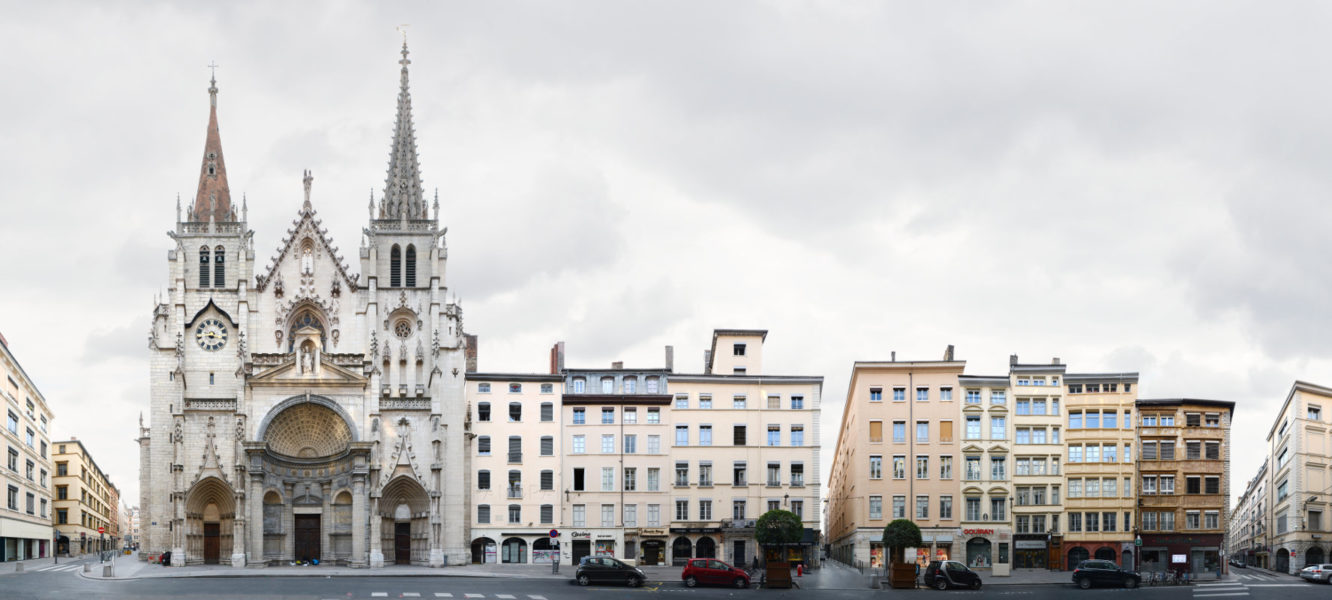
x=289 y=522
x=358 y=521
x=238 y=529
x=325 y=523
x=256 y=528
x=376 y=526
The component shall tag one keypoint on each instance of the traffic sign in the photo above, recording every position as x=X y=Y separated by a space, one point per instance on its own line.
x=101 y=530
x=554 y=533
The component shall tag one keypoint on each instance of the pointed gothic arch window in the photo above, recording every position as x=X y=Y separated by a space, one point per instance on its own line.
x=307 y=318
x=219 y=267
x=411 y=266
x=203 y=267
x=395 y=267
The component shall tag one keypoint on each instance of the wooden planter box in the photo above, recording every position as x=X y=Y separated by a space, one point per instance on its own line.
x=778 y=575
x=902 y=576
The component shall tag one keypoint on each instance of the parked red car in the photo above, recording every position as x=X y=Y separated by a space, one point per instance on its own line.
x=713 y=571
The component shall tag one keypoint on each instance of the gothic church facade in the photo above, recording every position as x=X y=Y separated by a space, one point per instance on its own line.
x=300 y=411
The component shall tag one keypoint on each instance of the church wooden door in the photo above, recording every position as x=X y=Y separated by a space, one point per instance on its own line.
x=307 y=537
x=212 y=542
x=402 y=543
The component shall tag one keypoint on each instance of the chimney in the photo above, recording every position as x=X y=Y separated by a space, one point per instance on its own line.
x=948 y=354
x=617 y=365
x=707 y=362
x=557 y=358
x=893 y=356
x=1054 y=361
x=1012 y=359
x=670 y=359
x=470 y=352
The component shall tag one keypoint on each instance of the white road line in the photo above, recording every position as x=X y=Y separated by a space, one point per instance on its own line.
x=504 y=596
x=443 y=595
x=48 y=568
x=379 y=594
x=1222 y=583
x=411 y=594
x=1220 y=594
x=1298 y=585
x=536 y=597
x=474 y=595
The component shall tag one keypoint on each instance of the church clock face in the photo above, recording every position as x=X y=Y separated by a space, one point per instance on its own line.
x=211 y=335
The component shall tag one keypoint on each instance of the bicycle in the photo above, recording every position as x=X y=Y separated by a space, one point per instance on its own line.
x=1171 y=579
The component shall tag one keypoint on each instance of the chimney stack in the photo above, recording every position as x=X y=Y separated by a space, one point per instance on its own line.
x=893 y=356
x=470 y=352
x=707 y=362
x=557 y=358
x=1054 y=361
x=1012 y=359
x=670 y=359
x=948 y=353
x=617 y=365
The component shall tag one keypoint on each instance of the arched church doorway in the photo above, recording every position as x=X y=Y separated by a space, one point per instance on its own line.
x=405 y=510
x=210 y=512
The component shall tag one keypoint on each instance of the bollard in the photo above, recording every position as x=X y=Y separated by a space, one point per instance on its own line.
x=18 y=567
x=87 y=567
x=800 y=570
x=108 y=571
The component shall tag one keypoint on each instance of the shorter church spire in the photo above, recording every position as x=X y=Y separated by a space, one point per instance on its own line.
x=402 y=188
x=213 y=200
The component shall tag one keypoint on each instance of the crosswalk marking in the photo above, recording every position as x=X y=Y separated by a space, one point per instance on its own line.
x=1220 y=594
x=504 y=596
x=536 y=597
x=378 y=594
x=443 y=595
x=411 y=595
x=474 y=595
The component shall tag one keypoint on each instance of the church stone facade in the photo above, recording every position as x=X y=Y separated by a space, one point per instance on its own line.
x=300 y=411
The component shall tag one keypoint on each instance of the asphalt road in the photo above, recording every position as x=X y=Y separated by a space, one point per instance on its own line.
x=68 y=584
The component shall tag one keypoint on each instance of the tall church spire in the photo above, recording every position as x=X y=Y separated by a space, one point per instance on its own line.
x=402 y=189
x=213 y=201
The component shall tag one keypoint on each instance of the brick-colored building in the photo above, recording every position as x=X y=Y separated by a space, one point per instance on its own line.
x=85 y=500
x=1184 y=483
x=1099 y=491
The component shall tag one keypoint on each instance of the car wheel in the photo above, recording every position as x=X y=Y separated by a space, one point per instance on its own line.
x=1130 y=582
x=691 y=581
x=1084 y=583
x=941 y=584
x=976 y=585
x=634 y=581
x=583 y=580
x=740 y=583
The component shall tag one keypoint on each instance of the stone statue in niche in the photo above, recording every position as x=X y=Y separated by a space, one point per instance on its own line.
x=307 y=360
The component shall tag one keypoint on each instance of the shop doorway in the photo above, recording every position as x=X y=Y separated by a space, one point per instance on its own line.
x=681 y=551
x=483 y=550
x=1104 y=553
x=1076 y=555
x=581 y=548
x=978 y=553
x=706 y=548
x=738 y=554
x=1030 y=558
x=1314 y=556
x=654 y=552
x=1282 y=561
x=514 y=550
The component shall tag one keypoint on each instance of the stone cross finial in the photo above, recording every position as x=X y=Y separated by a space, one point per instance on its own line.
x=309 y=179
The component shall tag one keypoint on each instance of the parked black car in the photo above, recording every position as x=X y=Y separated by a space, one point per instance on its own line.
x=944 y=574
x=604 y=569
x=1104 y=572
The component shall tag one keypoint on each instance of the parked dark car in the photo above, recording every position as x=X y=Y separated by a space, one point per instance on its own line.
x=713 y=572
x=604 y=569
x=944 y=574
x=1104 y=572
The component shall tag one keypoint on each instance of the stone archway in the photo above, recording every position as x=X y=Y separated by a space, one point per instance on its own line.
x=1282 y=561
x=1076 y=555
x=307 y=427
x=1313 y=556
x=210 y=514
x=404 y=510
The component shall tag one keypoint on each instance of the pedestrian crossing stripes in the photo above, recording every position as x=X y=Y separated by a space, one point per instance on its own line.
x=1255 y=577
x=1223 y=589
x=57 y=568
x=450 y=595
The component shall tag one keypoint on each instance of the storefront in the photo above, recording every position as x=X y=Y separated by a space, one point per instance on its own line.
x=1031 y=551
x=652 y=547
x=694 y=542
x=594 y=542
x=937 y=544
x=1199 y=553
x=1118 y=552
x=988 y=548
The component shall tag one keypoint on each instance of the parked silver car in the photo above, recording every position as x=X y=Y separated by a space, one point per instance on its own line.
x=1321 y=573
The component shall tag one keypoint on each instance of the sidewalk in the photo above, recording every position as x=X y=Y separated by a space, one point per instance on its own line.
x=32 y=564
x=129 y=567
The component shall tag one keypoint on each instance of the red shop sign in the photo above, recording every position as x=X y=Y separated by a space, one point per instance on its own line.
x=978 y=532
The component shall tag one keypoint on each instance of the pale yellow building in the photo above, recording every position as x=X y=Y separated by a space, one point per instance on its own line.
x=25 y=516
x=898 y=458
x=84 y=500
x=742 y=442
x=987 y=483
x=1100 y=492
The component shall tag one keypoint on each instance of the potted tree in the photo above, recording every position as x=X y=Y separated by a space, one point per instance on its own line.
x=897 y=537
x=776 y=530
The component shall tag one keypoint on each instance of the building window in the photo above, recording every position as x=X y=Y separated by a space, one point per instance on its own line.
x=922 y=394
x=547 y=513
x=515 y=412
x=483 y=513
x=219 y=267
x=998 y=429
x=579 y=385
x=705 y=435
x=630 y=479
x=547 y=388
x=945 y=467
x=608 y=385
x=774 y=474
x=973 y=427
x=631 y=515
x=876 y=467
x=922 y=467
x=876 y=394
x=705 y=401
x=737 y=509
x=515 y=388
x=899 y=467
x=547 y=412
x=630 y=443
x=899 y=394
x=681 y=474
x=738 y=435
x=515 y=513
x=681 y=435
x=483 y=412
x=547 y=480
x=705 y=474
x=973 y=508
x=654 y=479
x=738 y=402
x=923 y=432
x=797 y=474
x=579 y=416
x=630 y=385
x=797 y=435
x=607 y=443
x=681 y=510
x=705 y=510
x=607 y=416
x=579 y=444
x=774 y=435
x=797 y=402
x=1213 y=485
x=945 y=507
x=629 y=415
x=547 y=445
x=973 y=397
x=654 y=444
x=579 y=515
x=608 y=479
x=774 y=402
x=483 y=388
x=652 y=385
x=899 y=432
x=203 y=267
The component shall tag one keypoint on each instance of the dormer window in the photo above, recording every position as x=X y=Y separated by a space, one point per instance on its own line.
x=737 y=349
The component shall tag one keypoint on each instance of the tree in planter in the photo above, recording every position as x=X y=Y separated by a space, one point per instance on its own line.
x=777 y=527
x=898 y=536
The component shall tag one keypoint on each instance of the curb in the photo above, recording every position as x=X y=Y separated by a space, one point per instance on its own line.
x=225 y=574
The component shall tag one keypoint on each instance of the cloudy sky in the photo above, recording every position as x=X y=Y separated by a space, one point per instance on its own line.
x=1127 y=186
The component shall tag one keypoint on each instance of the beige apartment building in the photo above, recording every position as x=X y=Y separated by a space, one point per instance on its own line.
x=743 y=442
x=85 y=500
x=1037 y=391
x=1247 y=534
x=1299 y=480
x=1100 y=498
x=616 y=460
x=515 y=478
x=25 y=517
x=898 y=458
x=987 y=485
